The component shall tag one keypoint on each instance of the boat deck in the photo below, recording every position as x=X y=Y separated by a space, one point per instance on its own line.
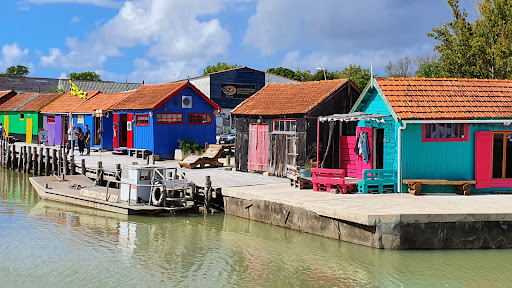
x=67 y=191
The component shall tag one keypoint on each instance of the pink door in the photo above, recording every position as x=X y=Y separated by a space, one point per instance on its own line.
x=348 y=157
x=258 y=147
x=361 y=164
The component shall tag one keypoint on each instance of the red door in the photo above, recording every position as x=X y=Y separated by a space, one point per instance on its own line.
x=361 y=164
x=129 y=130
x=116 y=130
x=258 y=147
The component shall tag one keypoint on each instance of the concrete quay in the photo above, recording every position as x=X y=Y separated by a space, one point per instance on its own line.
x=385 y=221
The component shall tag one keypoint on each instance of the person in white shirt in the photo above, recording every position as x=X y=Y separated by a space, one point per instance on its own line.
x=71 y=139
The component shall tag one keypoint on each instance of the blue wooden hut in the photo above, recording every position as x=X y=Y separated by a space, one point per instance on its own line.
x=440 y=129
x=155 y=117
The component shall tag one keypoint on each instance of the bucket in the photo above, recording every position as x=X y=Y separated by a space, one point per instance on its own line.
x=305 y=173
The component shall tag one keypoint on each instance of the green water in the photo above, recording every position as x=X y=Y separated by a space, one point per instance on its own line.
x=47 y=244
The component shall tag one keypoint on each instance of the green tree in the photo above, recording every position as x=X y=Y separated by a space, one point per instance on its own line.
x=357 y=74
x=401 y=68
x=16 y=71
x=219 y=67
x=87 y=75
x=429 y=66
x=285 y=72
x=482 y=49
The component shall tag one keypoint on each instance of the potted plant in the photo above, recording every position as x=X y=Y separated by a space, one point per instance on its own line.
x=305 y=171
x=186 y=147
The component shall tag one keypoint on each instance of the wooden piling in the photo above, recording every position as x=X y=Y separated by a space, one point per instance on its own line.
x=99 y=173
x=41 y=161
x=208 y=194
x=55 y=167
x=228 y=160
x=14 y=161
x=59 y=166
x=83 y=167
x=65 y=163
x=47 y=164
x=28 y=166
x=35 y=162
x=72 y=165
x=8 y=160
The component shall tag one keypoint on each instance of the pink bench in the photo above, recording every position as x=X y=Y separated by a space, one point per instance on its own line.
x=326 y=179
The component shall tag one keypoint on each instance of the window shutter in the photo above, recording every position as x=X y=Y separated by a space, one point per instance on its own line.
x=483 y=154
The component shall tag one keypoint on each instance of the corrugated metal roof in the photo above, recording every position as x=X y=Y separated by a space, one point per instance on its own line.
x=28 y=84
x=445 y=98
x=103 y=86
x=288 y=98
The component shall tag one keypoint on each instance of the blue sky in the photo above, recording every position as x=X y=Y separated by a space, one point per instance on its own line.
x=166 y=40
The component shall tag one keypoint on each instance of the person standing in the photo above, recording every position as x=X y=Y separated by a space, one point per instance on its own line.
x=71 y=139
x=81 y=141
x=88 y=140
x=2 y=131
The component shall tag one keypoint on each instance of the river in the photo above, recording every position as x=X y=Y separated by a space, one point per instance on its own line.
x=48 y=244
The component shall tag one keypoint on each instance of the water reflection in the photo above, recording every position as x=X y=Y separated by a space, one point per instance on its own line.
x=50 y=244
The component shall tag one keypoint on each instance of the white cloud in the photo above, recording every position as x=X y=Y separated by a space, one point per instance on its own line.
x=164 y=72
x=169 y=31
x=100 y=3
x=12 y=54
x=75 y=19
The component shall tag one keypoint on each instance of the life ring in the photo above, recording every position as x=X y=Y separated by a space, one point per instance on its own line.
x=157 y=196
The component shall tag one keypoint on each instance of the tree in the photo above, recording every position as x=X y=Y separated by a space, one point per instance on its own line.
x=401 y=68
x=87 y=75
x=55 y=90
x=16 y=71
x=357 y=74
x=219 y=67
x=429 y=66
x=482 y=49
x=285 y=72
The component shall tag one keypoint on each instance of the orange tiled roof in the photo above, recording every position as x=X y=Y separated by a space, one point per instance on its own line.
x=149 y=96
x=442 y=98
x=15 y=101
x=67 y=102
x=39 y=102
x=103 y=101
x=288 y=98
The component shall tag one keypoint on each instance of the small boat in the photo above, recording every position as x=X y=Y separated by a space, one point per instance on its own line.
x=144 y=190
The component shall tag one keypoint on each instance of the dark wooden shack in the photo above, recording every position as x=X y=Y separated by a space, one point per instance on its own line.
x=278 y=125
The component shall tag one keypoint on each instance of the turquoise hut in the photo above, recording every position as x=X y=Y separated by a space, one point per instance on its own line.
x=440 y=132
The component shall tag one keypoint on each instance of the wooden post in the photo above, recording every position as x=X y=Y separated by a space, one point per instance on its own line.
x=28 y=165
x=21 y=159
x=65 y=163
x=47 y=164
x=14 y=161
x=83 y=167
x=119 y=171
x=99 y=173
x=206 y=145
x=8 y=162
x=59 y=166
x=228 y=160
x=208 y=194
x=35 y=162
x=55 y=167
x=73 y=165
x=41 y=161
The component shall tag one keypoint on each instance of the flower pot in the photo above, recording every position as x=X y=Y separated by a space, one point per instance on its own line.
x=180 y=155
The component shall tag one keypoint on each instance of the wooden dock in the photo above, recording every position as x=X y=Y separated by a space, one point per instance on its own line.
x=385 y=221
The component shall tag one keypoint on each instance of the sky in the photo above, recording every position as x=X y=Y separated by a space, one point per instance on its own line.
x=160 y=41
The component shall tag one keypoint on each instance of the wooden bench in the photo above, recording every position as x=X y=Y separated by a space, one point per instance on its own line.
x=376 y=180
x=462 y=187
x=293 y=173
x=326 y=179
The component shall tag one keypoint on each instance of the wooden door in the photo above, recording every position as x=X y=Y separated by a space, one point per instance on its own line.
x=129 y=130
x=348 y=157
x=30 y=123
x=116 y=130
x=6 y=125
x=258 y=147
x=361 y=164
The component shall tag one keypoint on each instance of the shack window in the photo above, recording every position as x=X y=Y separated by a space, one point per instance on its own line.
x=80 y=119
x=502 y=155
x=22 y=116
x=142 y=120
x=285 y=125
x=445 y=132
x=169 y=118
x=50 y=119
x=200 y=118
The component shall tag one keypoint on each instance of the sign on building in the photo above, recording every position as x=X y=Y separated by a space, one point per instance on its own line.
x=237 y=90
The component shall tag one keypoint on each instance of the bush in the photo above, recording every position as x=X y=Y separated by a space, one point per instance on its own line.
x=189 y=146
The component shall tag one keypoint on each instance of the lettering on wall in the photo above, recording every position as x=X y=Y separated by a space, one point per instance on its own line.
x=234 y=90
